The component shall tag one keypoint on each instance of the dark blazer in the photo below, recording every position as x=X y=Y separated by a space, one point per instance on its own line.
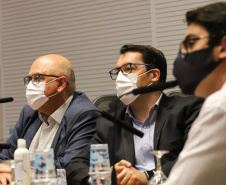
x=174 y=118
x=83 y=130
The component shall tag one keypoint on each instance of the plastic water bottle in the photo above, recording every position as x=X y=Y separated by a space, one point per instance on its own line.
x=99 y=171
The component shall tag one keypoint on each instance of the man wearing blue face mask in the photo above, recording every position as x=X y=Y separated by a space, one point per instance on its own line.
x=201 y=67
x=164 y=120
x=53 y=105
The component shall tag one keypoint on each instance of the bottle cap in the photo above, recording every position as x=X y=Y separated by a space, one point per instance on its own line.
x=21 y=143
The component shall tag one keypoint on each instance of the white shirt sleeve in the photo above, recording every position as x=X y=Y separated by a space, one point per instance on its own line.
x=203 y=159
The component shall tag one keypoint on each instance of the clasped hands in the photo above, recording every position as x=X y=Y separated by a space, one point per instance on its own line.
x=128 y=175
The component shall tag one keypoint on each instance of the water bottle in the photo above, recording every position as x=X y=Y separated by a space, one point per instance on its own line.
x=22 y=176
x=99 y=171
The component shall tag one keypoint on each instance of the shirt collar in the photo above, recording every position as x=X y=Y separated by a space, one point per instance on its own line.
x=224 y=86
x=58 y=115
x=150 y=118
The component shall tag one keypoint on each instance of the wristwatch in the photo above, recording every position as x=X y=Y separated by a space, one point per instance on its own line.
x=149 y=174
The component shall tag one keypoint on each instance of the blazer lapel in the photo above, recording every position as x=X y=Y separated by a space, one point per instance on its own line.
x=128 y=142
x=64 y=125
x=30 y=130
x=162 y=115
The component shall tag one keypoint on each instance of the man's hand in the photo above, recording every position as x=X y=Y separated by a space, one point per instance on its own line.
x=128 y=175
x=5 y=168
x=4 y=178
x=5 y=173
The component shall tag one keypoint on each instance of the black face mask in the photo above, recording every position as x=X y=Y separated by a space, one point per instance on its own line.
x=191 y=70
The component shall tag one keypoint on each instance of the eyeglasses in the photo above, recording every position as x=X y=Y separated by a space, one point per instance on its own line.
x=125 y=69
x=36 y=78
x=188 y=43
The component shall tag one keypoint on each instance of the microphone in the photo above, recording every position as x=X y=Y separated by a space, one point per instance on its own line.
x=106 y=115
x=156 y=87
x=5 y=100
x=123 y=124
x=5 y=146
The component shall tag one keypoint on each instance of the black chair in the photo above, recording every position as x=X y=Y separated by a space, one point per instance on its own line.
x=176 y=93
x=107 y=103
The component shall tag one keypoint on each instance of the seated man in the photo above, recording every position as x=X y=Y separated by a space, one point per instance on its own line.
x=202 y=71
x=53 y=105
x=164 y=120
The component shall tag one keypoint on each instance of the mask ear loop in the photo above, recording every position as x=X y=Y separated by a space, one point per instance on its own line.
x=150 y=84
x=146 y=73
x=52 y=80
x=54 y=93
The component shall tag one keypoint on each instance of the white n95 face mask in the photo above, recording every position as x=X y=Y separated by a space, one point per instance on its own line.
x=125 y=84
x=35 y=94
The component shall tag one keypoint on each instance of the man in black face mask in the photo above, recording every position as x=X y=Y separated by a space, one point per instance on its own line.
x=200 y=69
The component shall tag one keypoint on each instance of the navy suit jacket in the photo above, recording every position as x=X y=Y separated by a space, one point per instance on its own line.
x=174 y=118
x=83 y=130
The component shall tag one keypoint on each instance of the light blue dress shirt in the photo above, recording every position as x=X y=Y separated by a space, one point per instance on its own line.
x=144 y=160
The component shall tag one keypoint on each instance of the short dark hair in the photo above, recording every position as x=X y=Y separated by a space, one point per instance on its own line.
x=212 y=17
x=151 y=56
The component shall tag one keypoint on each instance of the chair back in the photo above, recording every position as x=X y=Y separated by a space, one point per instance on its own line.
x=107 y=103
x=176 y=93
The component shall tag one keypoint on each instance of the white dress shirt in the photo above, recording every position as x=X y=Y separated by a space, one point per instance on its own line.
x=203 y=159
x=44 y=137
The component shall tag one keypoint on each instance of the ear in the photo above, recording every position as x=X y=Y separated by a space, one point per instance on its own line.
x=222 y=49
x=62 y=84
x=155 y=74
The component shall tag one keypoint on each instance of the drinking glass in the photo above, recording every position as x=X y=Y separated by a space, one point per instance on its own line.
x=159 y=176
x=100 y=170
x=44 y=167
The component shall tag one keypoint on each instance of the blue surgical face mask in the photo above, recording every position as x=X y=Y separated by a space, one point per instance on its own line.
x=193 y=68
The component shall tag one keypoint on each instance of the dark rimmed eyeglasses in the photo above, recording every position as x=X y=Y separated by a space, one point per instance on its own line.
x=36 y=78
x=188 y=43
x=125 y=69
